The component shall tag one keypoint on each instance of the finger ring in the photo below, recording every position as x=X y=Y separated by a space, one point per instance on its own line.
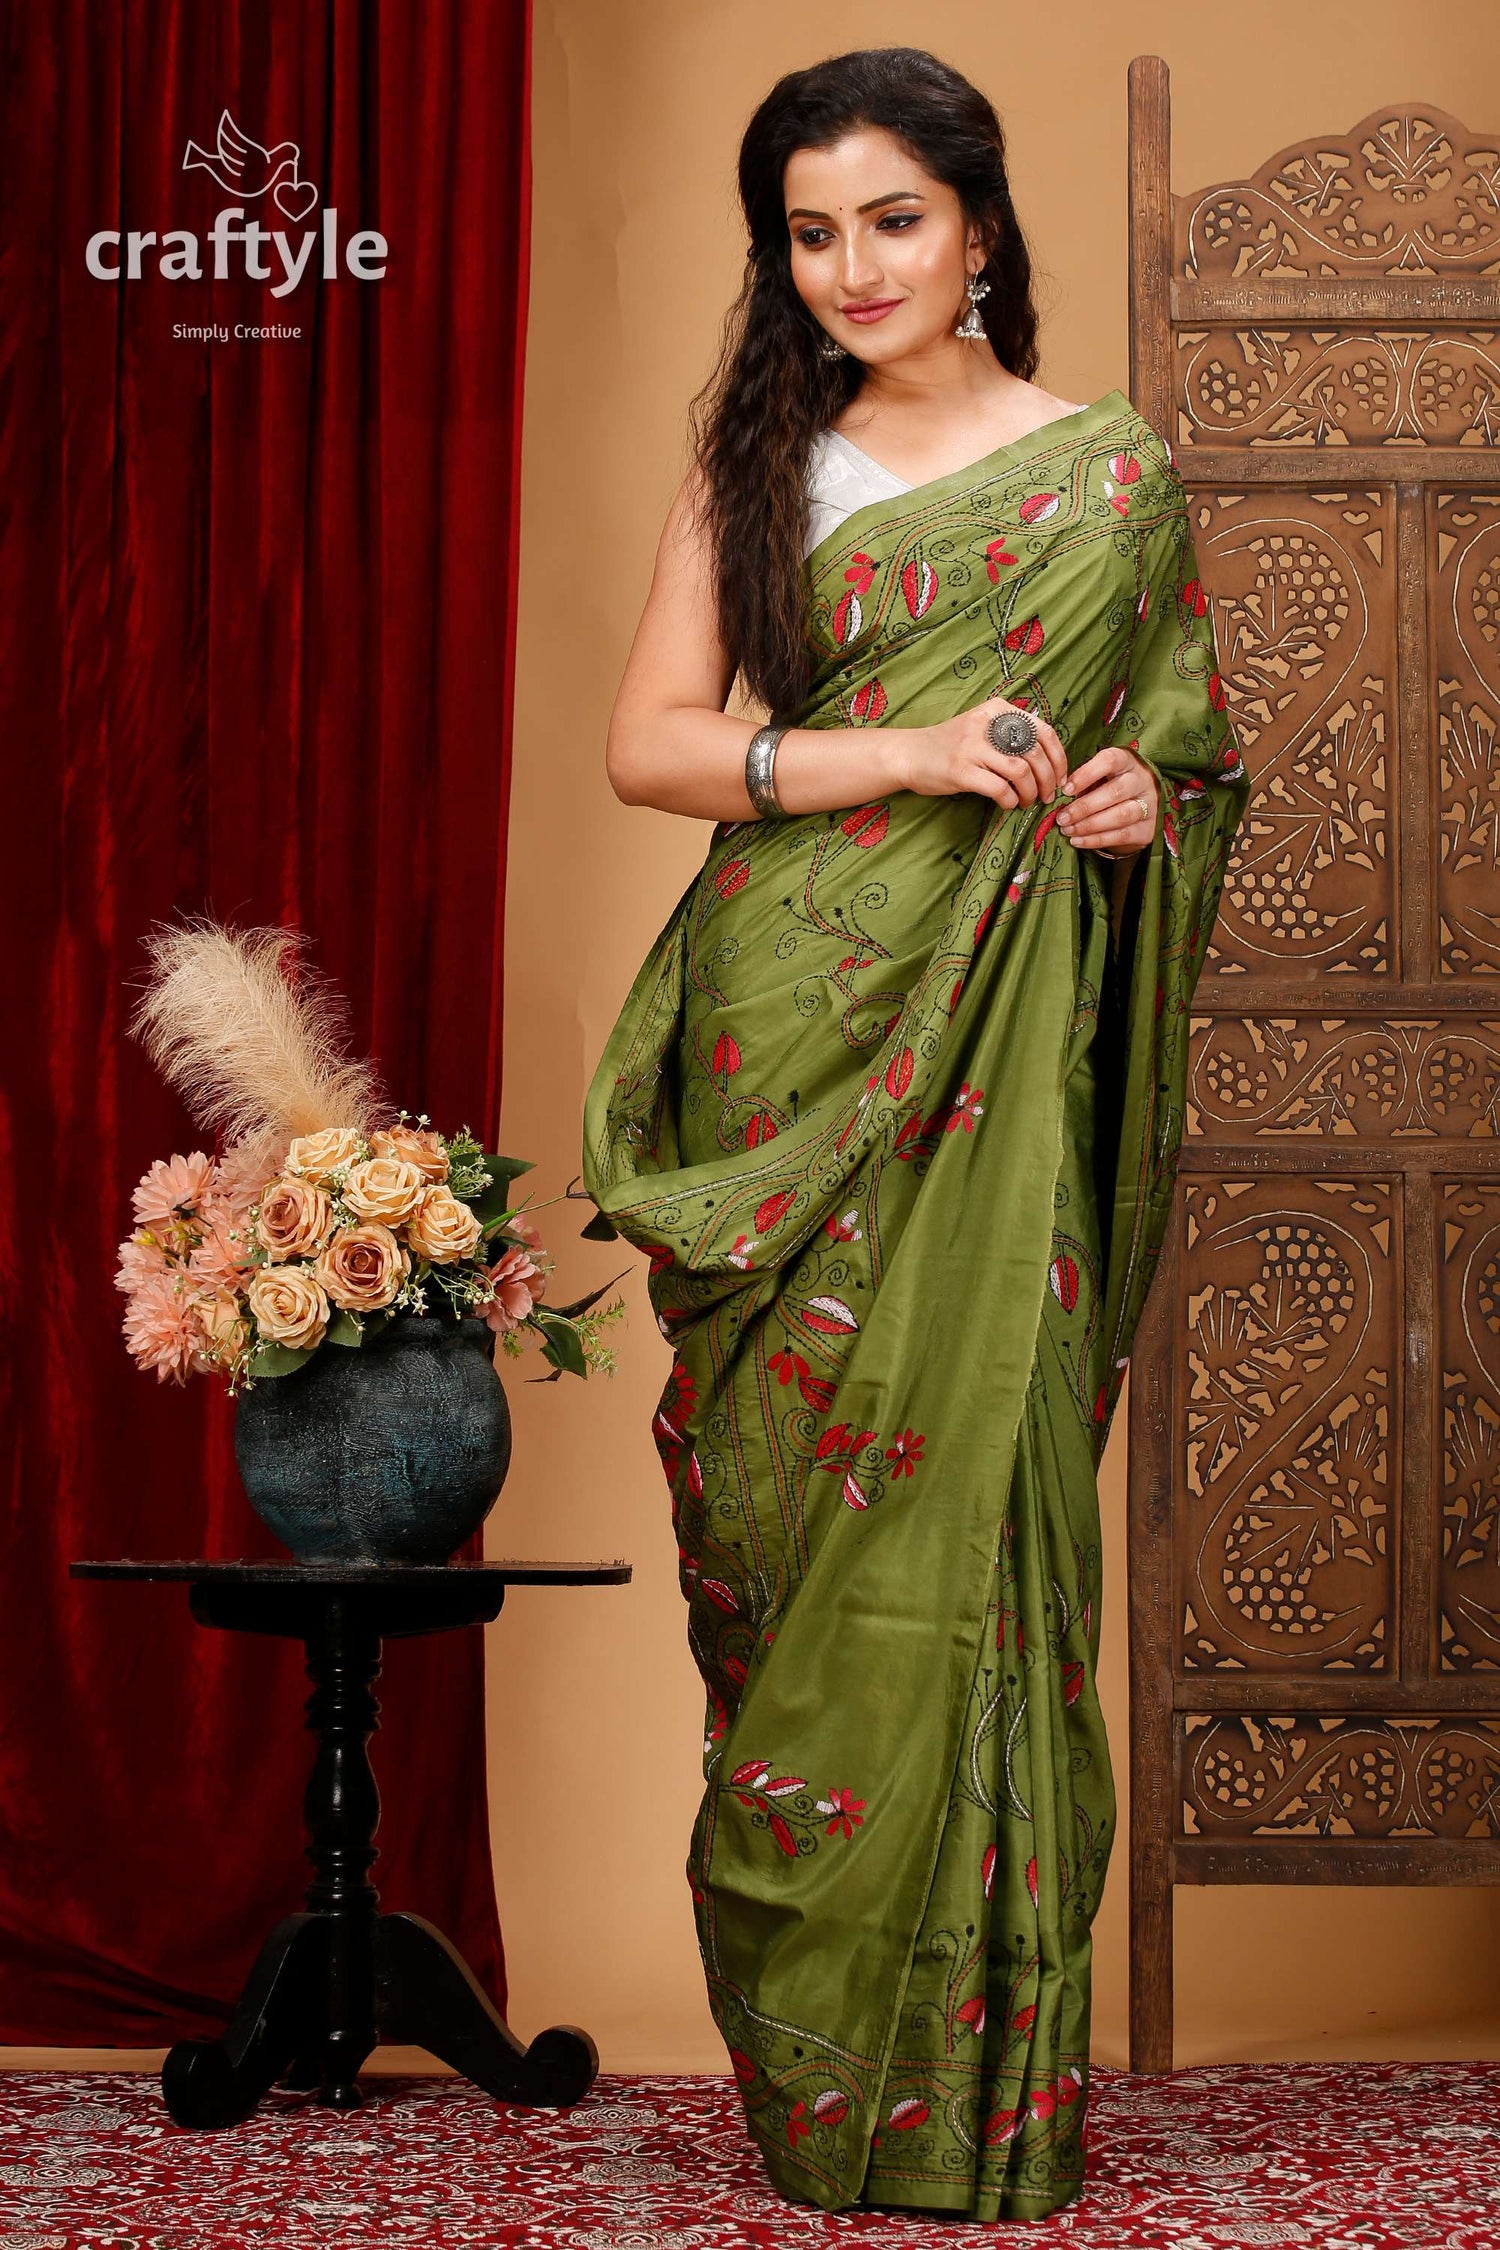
x=1014 y=732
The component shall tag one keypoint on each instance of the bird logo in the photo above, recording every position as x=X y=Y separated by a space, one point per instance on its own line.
x=244 y=168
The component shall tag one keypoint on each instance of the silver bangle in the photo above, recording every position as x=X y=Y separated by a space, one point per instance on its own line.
x=760 y=763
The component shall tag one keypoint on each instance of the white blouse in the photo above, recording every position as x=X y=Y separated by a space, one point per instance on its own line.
x=840 y=479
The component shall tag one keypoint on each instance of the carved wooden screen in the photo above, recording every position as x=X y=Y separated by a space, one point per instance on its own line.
x=1315 y=1389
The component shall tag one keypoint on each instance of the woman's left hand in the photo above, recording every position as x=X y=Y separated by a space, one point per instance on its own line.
x=1103 y=800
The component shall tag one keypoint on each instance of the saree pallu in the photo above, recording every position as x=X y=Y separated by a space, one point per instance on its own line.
x=894 y=1110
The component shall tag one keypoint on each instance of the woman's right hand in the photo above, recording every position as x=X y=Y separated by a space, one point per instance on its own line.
x=957 y=755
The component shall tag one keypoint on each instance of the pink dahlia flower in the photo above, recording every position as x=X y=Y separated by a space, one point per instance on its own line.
x=173 y=1185
x=162 y=1329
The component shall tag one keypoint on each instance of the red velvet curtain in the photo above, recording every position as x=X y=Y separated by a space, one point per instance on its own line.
x=257 y=602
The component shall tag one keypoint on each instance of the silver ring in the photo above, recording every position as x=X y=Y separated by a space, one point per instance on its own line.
x=1013 y=732
x=1145 y=805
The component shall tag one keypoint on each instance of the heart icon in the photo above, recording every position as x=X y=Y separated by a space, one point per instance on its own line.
x=296 y=198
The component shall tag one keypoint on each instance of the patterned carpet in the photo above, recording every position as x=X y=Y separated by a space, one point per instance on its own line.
x=1270 y=2156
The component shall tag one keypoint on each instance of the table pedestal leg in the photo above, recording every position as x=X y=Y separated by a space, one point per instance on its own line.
x=330 y=1982
x=427 y=1996
x=215 y=2082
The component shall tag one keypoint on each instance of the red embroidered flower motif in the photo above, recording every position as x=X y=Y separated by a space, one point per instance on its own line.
x=995 y=555
x=787 y=1366
x=987 y=1869
x=744 y=2068
x=861 y=572
x=726 y=1056
x=762 y=1127
x=843 y=1229
x=868 y=702
x=774 y=1209
x=898 y=1073
x=848 y=1811
x=972 y=2014
x=740 y=1254
x=831 y=2106
x=1018 y=883
x=796 y=2124
x=867 y=824
x=968 y=1103
x=732 y=877
x=1039 y=506
x=1192 y=600
x=918 y=585
x=906 y=1452
x=1063 y=1276
x=848 y=617
x=909 y=2113
x=1025 y=640
x=1000 y=2127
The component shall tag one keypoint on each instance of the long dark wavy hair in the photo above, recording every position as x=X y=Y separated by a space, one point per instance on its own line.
x=771 y=391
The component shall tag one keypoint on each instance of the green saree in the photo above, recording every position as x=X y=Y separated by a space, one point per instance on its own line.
x=894 y=1110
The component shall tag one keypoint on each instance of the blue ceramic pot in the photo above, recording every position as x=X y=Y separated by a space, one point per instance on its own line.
x=391 y=1453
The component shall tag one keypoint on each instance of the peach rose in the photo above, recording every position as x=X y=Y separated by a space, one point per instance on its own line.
x=442 y=1228
x=363 y=1267
x=425 y=1150
x=289 y=1306
x=294 y=1217
x=316 y=1155
x=385 y=1188
x=226 y=1331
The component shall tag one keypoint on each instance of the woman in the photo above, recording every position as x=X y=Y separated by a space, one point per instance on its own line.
x=894 y=1110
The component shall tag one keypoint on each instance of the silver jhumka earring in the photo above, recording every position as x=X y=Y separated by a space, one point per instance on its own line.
x=971 y=325
x=829 y=347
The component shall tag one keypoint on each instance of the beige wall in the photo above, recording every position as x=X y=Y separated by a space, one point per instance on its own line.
x=595 y=1707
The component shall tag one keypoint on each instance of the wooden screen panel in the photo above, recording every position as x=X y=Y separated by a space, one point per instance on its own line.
x=1315 y=1395
x=1304 y=601
x=1287 y=1508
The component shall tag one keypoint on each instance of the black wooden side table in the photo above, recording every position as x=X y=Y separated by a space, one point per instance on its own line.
x=329 y=1983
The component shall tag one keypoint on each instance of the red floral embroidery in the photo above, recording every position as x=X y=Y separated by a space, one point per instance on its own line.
x=867 y=824
x=906 y=1452
x=848 y=1811
x=919 y=583
x=968 y=1103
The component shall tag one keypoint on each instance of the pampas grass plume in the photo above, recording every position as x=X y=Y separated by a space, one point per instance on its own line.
x=252 y=1052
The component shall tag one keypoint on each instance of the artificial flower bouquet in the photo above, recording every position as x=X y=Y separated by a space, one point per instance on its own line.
x=290 y=1241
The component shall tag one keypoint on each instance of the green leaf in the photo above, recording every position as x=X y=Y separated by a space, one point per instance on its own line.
x=583 y=1304
x=561 y=1343
x=500 y=1171
x=277 y=1359
x=344 y=1328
